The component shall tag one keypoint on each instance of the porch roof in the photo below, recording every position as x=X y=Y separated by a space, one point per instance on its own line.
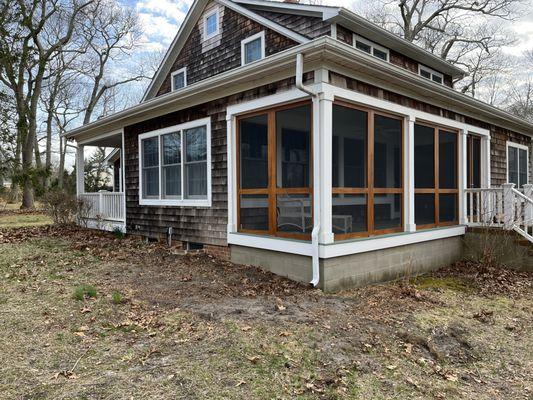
x=322 y=52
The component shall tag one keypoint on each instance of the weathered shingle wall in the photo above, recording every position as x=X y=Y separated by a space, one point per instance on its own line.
x=222 y=53
x=310 y=27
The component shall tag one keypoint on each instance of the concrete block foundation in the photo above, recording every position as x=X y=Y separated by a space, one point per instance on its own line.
x=357 y=269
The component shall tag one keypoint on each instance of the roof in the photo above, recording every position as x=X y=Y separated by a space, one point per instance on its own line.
x=334 y=15
x=321 y=51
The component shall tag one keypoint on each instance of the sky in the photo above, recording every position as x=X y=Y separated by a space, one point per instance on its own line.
x=161 y=20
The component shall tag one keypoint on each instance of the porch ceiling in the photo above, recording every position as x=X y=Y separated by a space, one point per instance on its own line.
x=113 y=140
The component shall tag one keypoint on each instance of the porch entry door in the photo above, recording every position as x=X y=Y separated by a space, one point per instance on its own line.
x=473 y=161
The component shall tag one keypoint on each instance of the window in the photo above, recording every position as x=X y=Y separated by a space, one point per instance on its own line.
x=253 y=48
x=175 y=165
x=436 y=176
x=211 y=24
x=517 y=164
x=179 y=79
x=274 y=172
x=430 y=74
x=367 y=172
x=371 y=48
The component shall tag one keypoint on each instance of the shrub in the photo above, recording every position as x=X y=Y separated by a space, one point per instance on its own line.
x=117 y=297
x=60 y=206
x=83 y=292
x=117 y=232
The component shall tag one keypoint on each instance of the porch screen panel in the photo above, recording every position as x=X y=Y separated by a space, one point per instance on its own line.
x=171 y=144
x=522 y=167
x=294 y=214
x=253 y=174
x=196 y=162
x=512 y=153
x=150 y=167
x=388 y=183
x=367 y=172
x=274 y=182
x=436 y=176
x=350 y=170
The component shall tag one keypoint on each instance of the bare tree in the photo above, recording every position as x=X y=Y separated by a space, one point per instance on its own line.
x=32 y=32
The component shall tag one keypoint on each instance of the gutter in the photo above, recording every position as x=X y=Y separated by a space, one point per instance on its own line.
x=316 y=174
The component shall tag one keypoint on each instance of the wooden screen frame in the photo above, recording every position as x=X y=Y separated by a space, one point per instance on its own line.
x=470 y=160
x=369 y=190
x=437 y=191
x=272 y=191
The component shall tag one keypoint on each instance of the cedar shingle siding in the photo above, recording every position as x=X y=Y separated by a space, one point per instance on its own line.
x=310 y=27
x=199 y=225
x=202 y=64
x=499 y=136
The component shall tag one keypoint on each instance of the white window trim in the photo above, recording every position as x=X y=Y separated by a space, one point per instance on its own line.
x=211 y=13
x=519 y=147
x=260 y=35
x=181 y=202
x=357 y=38
x=432 y=72
x=179 y=71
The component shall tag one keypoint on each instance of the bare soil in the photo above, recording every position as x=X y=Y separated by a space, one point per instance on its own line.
x=168 y=325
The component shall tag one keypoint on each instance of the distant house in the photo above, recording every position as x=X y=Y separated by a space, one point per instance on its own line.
x=309 y=141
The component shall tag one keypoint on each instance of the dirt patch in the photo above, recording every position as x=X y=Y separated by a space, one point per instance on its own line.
x=192 y=326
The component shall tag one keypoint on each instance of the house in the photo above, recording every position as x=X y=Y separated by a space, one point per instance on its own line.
x=310 y=142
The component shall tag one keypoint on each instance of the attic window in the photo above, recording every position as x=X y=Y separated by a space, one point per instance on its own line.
x=371 y=48
x=430 y=74
x=179 y=79
x=211 y=25
x=253 y=48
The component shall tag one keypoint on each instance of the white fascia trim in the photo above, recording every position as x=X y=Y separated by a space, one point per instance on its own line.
x=264 y=21
x=403 y=111
x=179 y=71
x=304 y=9
x=244 y=42
x=183 y=202
x=303 y=248
x=271 y=243
x=216 y=12
x=381 y=243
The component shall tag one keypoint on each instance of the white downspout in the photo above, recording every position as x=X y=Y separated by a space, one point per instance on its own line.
x=316 y=174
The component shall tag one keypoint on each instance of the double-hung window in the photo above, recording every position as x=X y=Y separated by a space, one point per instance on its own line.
x=517 y=164
x=253 y=48
x=179 y=79
x=211 y=24
x=430 y=74
x=371 y=48
x=175 y=165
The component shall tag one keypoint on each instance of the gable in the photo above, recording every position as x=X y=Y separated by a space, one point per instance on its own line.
x=205 y=58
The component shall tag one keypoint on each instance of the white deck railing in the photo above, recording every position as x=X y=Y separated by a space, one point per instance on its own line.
x=504 y=207
x=107 y=206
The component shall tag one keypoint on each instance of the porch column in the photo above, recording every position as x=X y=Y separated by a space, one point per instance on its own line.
x=80 y=169
x=463 y=177
x=409 y=176
x=485 y=162
x=323 y=110
x=508 y=206
x=528 y=191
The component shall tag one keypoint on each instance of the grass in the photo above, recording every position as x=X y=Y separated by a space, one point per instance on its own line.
x=83 y=292
x=194 y=327
x=23 y=220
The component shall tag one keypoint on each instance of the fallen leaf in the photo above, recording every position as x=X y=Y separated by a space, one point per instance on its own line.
x=246 y=328
x=254 y=359
x=240 y=383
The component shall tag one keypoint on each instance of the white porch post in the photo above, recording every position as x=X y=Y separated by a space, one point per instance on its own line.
x=323 y=110
x=485 y=162
x=508 y=206
x=409 y=178
x=80 y=169
x=463 y=177
x=231 y=174
x=528 y=191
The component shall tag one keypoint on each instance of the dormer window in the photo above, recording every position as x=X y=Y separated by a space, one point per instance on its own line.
x=179 y=79
x=371 y=48
x=430 y=74
x=253 y=48
x=211 y=25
